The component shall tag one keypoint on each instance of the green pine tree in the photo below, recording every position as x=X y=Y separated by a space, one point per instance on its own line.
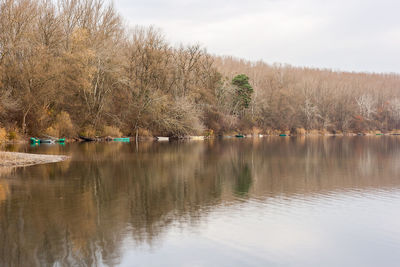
x=243 y=91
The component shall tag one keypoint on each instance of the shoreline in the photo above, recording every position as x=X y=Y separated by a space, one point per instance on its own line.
x=143 y=138
x=17 y=159
x=25 y=141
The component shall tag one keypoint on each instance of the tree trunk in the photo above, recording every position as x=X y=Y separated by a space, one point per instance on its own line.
x=24 y=121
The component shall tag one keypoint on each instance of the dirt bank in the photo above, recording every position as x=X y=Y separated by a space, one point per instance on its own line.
x=14 y=159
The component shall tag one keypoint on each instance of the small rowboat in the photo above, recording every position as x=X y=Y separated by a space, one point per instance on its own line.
x=239 y=135
x=46 y=141
x=196 y=137
x=127 y=139
x=87 y=139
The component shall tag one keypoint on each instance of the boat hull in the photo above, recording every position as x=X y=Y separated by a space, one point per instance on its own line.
x=46 y=141
x=125 y=140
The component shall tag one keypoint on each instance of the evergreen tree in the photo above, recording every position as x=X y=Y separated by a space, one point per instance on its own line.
x=243 y=91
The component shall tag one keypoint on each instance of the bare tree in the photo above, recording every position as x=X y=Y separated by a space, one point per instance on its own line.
x=366 y=105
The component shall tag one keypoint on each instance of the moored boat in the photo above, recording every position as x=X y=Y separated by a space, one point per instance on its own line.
x=46 y=141
x=87 y=139
x=196 y=137
x=123 y=139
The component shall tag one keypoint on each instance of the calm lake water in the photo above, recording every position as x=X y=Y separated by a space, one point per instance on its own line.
x=323 y=201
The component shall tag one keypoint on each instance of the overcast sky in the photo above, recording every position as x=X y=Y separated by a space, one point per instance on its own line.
x=352 y=35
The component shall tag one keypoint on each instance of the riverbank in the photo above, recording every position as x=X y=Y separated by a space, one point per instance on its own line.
x=14 y=159
x=295 y=133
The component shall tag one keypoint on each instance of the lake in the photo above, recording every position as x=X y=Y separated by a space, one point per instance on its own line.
x=275 y=201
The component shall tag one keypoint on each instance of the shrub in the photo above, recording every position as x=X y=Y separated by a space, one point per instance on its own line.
x=52 y=131
x=209 y=133
x=88 y=131
x=313 y=132
x=395 y=131
x=255 y=131
x=111 y=131
x=221 y=123
x=144 y=132
x=64 y=124
x=3 y=135
x=270 y=131
x=180 y=118
x=338 y=132
x=324 y=132
x=12 y=135
x=299 y=131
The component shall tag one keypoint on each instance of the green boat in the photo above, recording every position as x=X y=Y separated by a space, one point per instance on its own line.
x=239 y=135
x=46 y=141
x=283 y=135
x=34 y=140
x=127 y=139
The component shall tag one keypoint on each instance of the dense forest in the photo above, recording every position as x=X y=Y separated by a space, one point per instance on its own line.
x=73 y=67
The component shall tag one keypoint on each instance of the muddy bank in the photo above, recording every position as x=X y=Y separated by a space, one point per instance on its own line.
x=14 y=159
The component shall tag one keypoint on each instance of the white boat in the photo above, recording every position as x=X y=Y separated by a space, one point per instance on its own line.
x=162 y=138
x=196 y=137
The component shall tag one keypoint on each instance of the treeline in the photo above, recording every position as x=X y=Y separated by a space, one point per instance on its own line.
x=290 y=98
x=72 y=67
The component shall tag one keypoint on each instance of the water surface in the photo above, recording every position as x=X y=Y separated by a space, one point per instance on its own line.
x=324 y=201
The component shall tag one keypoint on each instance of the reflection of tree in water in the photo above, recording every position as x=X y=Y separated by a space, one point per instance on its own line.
x=69 y=215
x=242 y=174
x=80 y=212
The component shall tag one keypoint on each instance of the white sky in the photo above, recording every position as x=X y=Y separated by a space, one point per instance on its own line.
x=352 y=35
